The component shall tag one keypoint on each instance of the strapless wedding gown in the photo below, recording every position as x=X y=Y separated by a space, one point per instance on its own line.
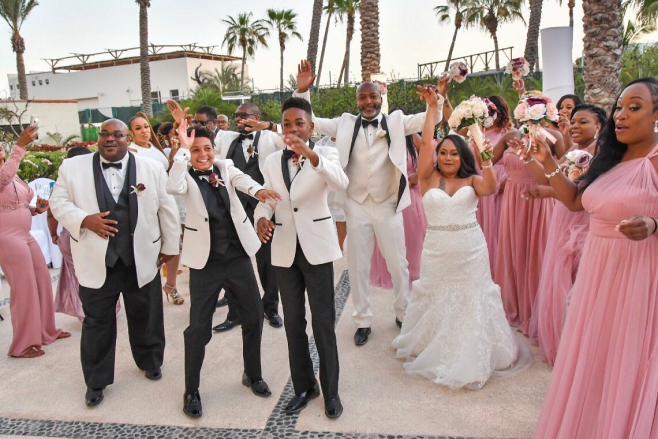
x=455 y=331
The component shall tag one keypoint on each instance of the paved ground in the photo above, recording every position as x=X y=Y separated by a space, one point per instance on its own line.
x=44 y=397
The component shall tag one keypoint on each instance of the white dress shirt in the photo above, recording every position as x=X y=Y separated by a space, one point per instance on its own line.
x=246 y=143
x=115 y=177
x=370 y=130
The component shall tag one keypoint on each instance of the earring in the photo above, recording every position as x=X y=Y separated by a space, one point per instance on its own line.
x=655 y=127
x=596 y=134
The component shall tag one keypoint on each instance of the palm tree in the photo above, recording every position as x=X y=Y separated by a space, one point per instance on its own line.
x=246 y=35
x=328 y=9
x=221 y=80
x=346 y=9
x=602 y=50
x=443 y=12
x=15 y=12
x=489 y=14
x=633 y=31
x=314 y=38
x=144 y=69
x=370 y=54
x=283 y=22
x=531 y=52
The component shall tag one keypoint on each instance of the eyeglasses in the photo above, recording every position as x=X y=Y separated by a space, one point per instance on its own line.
x=105 y=135
x=242 y=115
x=202 y=123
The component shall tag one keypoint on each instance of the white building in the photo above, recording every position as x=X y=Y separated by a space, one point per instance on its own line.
x=106 y=84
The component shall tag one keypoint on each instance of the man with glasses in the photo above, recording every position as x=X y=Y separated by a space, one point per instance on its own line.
x=222 y=122
x=123 y=227
x=206 y=116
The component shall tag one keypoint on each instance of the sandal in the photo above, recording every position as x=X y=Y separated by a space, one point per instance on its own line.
x=172 y=292
x=63 y=335
x=32 y=352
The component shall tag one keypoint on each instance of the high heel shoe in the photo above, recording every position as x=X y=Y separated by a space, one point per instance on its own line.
x=172 y=292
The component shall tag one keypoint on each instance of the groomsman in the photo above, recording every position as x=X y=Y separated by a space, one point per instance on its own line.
x=222 y=122
x=304 y=246
x=123 y=226
x=372 y=151
x=217 y=246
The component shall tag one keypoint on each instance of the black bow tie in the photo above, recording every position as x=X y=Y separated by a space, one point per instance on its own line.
x=365 y=123
x=117 y=165
x=199 y=174
x=241 y=137
x=288 y=154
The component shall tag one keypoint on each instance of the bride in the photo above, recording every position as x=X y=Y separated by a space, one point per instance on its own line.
x=455 y=331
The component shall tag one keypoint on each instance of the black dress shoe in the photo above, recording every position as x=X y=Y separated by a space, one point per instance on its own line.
x=94 y=397
x=153 y=375
x=299 y=402
x=227 y=325
x=361 y=336
x=274 y=319
x=333 y=408
x=192 y=405
x=398 y=322
x=222 y=302
x=259 y=387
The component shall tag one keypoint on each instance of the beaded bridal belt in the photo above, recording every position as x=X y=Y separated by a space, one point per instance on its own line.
x=453 y=227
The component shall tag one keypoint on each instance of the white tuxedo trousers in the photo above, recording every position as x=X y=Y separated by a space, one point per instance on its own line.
x=365 y=222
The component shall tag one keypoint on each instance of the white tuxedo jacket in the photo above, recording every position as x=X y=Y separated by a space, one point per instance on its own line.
x=399 y=126
x=225 y=143
x=196 y=241
x=303 y=212
x=75 y=196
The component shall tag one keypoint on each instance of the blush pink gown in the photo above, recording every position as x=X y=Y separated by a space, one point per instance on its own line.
x=521 y=243
x=31 y=303
x=67 y=299
x=605 y=381
x=415 y=225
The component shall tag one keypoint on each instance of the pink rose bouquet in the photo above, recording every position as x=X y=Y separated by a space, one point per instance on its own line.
x=472 y=114
x=457 y=72
x=533 y=109
x=518 y=68
x=576 y=164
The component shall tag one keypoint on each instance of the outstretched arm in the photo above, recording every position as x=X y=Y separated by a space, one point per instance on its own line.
x=10 y=168
x=426 y=155
x=305 y=80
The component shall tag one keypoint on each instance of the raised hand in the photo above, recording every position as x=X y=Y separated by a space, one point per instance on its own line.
x=427 y=93
x=442 y=85
x=185 y=140
x=28 y=135
x=99 y=225
x=255 y=125
x=519 y=85
x=42 y=205
x=266 y=194
x=265 y=228
x=176 y=111
x=305 y=76
x=636 y=228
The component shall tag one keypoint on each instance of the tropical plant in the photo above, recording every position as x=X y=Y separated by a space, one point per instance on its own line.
x=370 y=54
x=223 y=80
x=144 y=69
x=632 y=32
x=245 y=34
x=602 y=50
x=490 y=14
x=15 y=12
x=60 y=140
x=328 y=9
x=531 y=52
x=345 y=10
x=646 y=10
x=314 y=37
x=283 y=22
x=460 y=8
x=292 y=83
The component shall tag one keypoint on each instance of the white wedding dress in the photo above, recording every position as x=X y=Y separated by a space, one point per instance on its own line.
x=455 y=331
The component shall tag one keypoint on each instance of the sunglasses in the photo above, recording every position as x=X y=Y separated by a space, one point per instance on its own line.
x=242 y=115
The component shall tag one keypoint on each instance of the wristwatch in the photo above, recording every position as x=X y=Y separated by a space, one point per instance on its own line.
x=271 y=126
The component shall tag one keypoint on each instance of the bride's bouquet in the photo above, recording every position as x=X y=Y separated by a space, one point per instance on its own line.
x=518 y=68
x=457 y=72
x=532 y=110
x=472 y=114
x=576 y=164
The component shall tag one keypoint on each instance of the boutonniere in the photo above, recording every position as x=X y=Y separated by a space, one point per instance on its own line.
x=214 y=180
x=298 y=160
x=383 y=134
x=251 y=151
x=138 y=188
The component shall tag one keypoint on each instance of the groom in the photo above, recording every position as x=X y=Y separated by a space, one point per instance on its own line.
x=372 y=149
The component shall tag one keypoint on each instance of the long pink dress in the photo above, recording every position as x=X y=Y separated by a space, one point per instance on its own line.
x=521 y=243
x=31 y=302
x=605 y=380
x=67 y=299
x=415 y=225
x=488 y=213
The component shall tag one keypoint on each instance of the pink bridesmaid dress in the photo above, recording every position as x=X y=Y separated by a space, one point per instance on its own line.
x=521 y=243
x=488 y=214
x=605 y=381
x=67 y=299
x=31 y=303
x=415 y=225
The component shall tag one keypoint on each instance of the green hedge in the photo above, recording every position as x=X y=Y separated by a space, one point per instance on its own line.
x=38 y=164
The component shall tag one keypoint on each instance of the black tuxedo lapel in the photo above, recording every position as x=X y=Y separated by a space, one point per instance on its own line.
x=132 y=197
x=255 y=145
x=385 y=128
x=231 y=149
x=222 y=190
x=357 y=127
x=99 y=181
x=286 y=172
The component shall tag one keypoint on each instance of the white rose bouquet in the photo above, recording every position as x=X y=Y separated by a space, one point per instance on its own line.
x=533 y=109
x=472 y=114
x=457 y=72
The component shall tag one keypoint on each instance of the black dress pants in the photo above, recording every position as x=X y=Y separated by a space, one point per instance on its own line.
x=143 y=308
x=236 y=276
x=318 y=282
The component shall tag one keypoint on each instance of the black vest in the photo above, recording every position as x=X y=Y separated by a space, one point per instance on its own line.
x=120 y=245
x=250 y=168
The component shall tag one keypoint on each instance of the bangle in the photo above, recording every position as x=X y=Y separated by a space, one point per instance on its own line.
x=271 y=126
x=532 y=159
x=552 y=174
x=655 y=223
x=487 y=166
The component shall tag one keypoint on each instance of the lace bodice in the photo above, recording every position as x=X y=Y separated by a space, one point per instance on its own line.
x=442 y=209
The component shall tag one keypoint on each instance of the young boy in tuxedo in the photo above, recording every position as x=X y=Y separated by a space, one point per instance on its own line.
x=304 y=246
x=218 y=244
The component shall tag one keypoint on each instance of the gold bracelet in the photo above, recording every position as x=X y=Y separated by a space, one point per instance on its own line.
x=552 y=174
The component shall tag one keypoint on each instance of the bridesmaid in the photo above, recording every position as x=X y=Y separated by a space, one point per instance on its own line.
x=415 y=225
x=522 y=235
x=31 y=303
x=565 y=107
x=566 y=239
x=605 y=380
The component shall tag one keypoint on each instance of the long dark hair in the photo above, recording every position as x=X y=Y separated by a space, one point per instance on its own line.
x=411 y=148
x=610 y=151
x=466 y=157
x=503 y=119
x=576 y=100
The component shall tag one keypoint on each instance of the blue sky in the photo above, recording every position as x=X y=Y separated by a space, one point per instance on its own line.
x=409 y=33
